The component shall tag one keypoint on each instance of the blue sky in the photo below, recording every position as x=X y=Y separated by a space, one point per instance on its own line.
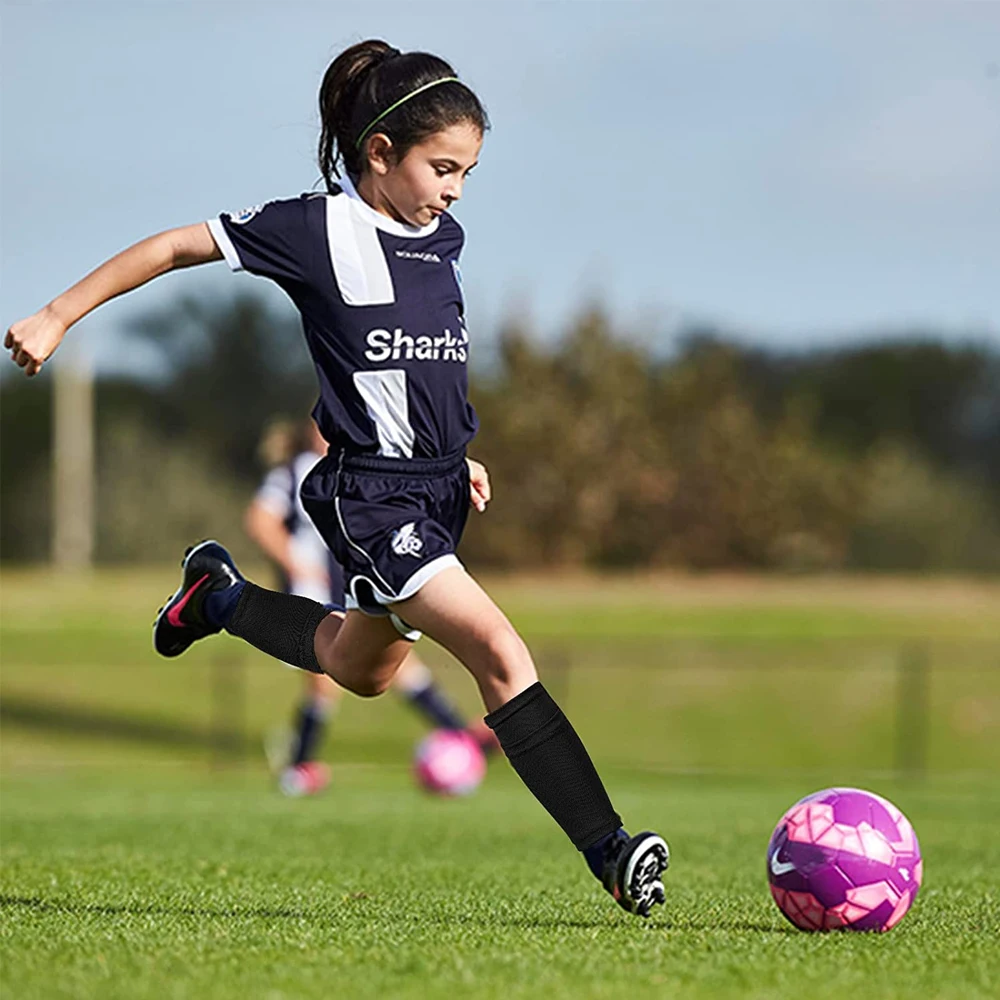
x=802 y=172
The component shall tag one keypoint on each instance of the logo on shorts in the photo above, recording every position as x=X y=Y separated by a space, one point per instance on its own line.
x=406 y=541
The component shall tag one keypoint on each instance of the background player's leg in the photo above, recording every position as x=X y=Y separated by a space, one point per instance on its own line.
x=319 y=699
x=415 y=684
x=302 y=773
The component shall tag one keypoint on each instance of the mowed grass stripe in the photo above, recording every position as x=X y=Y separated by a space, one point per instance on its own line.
x=133 y=869
x=210 y=888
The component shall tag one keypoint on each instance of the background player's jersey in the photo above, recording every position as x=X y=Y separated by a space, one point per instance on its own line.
x=323 y=579
x=383 y=315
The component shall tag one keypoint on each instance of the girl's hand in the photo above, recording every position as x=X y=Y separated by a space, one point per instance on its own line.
x=31 y=341
x=479 y=482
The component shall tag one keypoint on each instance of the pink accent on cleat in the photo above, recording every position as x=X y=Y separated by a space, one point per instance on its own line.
x=174 y=614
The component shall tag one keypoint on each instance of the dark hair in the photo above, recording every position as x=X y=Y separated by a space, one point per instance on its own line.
x=366 y=80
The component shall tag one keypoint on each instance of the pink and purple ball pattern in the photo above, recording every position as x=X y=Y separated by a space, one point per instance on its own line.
x=449 y=762
x=844 y=859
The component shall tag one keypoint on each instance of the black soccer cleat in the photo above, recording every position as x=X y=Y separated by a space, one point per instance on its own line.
x=633 y=872
x=207 y=567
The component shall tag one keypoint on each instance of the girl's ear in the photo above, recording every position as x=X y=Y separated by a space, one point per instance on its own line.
x=380 y=153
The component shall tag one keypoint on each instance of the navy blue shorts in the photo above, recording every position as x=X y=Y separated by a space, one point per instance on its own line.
x=393 y=524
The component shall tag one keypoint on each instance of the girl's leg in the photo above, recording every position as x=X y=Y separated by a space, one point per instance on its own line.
x=359 y=652
x=456 y=612
x=363 y=654
x=536 y=736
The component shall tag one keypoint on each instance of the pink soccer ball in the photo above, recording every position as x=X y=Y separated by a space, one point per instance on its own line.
x=844 y=859
x=449 y=762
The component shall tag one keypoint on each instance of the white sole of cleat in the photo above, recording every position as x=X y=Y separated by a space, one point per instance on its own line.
x=647 y=862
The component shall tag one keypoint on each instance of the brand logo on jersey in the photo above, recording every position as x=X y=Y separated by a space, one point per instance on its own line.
x=396 y=345
x=406 y=541
x=430 y=258
x=244 y=215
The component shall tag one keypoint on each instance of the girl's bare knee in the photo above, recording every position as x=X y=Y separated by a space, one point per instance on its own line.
x=507 y=658
x=363 y=683
x=366 y=687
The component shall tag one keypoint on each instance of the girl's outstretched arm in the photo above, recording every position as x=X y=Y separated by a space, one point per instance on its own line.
x=31 y=341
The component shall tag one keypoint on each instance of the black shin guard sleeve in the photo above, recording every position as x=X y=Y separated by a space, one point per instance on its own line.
x=282 y=625
x=544 y=749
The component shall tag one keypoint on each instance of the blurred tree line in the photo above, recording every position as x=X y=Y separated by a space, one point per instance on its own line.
x=884 y=455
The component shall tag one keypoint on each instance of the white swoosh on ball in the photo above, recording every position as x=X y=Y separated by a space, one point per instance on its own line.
x=780 y=867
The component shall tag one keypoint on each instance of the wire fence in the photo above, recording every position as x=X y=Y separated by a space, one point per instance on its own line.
x=913 y=708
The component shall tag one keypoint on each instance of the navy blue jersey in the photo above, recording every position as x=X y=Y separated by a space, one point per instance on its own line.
x=382 y=310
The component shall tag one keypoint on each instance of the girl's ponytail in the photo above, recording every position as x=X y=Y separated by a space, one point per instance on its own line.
x=362 y=87
x=338 y=97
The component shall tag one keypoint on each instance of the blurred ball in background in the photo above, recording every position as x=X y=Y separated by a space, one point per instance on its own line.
x=449 y=762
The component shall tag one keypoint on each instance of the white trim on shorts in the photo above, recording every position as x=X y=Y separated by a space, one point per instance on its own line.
x=411 y=587
x=354 y=544
x=350 y=541
x=426 y=573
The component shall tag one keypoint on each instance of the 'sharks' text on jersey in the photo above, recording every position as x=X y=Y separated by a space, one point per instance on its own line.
x=398 y=346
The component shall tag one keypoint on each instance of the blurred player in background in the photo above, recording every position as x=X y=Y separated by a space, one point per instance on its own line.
x=278 y=523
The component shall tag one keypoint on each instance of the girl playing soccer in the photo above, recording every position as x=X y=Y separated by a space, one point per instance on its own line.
x=372 y=266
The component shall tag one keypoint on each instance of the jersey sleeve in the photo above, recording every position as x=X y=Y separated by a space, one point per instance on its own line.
x=269 y=240
x=276 y=494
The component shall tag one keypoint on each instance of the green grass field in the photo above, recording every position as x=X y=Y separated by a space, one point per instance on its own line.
x=145 y=853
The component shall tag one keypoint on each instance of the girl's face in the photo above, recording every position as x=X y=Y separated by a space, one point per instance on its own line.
x=427 y=180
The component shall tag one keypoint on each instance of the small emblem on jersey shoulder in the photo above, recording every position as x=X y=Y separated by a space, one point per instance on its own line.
x=244 y=215
x=406 y=541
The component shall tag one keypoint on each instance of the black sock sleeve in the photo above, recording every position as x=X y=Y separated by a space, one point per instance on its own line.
x=282 y=625
x=544 y=749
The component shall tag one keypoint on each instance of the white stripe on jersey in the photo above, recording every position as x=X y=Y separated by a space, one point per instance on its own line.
x=384 y=393
x=359 y=265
